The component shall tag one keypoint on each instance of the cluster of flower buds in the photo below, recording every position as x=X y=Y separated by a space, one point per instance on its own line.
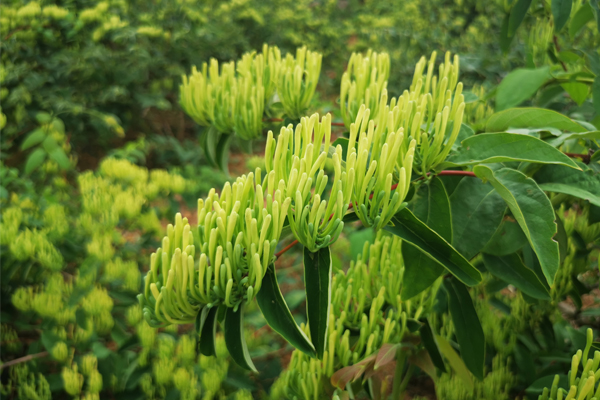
x=298 y=158
x=236 y=237
x=581 y=386
x=432 y=111
x=298 y=78
x=363 y=83
x=384 y=158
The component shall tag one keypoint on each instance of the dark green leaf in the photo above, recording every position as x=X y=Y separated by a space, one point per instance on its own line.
x=36 y=136
x=409 y=228
x=467 y=327
x=35 y=159
x=517 y=15
x=507 y=147
x=277 y=314
x=580 y=19
x=234 y=337
x=428 y=340
x=512 y=270
x=477 y=211
x=420 y=271
x=222 y=152
x=583 y=184
x=49 y=340
x=432 y=206
x=596 y=94
x=519 y=85
x=507 y=239
x=344 y=143
x=317 y=279
x=531 y=118
x=561 y=11
x=206 y=326
x=537 y=387
x=561 y=237
x=532 y=210
x=505 y=38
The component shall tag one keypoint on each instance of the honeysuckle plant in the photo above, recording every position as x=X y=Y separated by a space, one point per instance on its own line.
x=392 y=174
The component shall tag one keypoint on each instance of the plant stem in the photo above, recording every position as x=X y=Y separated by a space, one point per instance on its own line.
x=23 y=359
x=398 y=381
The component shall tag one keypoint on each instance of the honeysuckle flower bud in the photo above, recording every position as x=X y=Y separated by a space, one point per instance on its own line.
x=297 y=161
x=248 y=99
x=186 y=350
x=363 y=82
x=234 y=243
x=163 y=370
x=298 y=78
x=94 y=382
x=88 y=363
x=60 y=351
x=382 y=158
x=72 y=379
x=22 y=298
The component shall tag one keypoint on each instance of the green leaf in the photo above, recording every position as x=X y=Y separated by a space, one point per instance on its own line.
x=278 y=315
x=43 y=117
x=385 y=355
x=409 y=228
x=558 y=141
x=342 y=141
x=206 y=326
x=465 y=132
x=36 y=136
x=507 y=239
x=467 y=327
x=583 y=184
x=532 y=210
x=477 y=211
x=519 y=85
x=517 y=15
x=420 y=271
x=580 y=19
x=506 y=147
x=234 y=337
x=561 y=11
x=49 y=144
x=512 y=270
x=457 y=364
x=505 y=38
x=596 y=94
x=531 y=118
x=59 y=156
x=317 y=279
x=428 y=340
x=222 y=152
x=35 y=159
x=577 y=90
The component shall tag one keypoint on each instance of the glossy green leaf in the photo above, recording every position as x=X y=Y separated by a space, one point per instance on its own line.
x=317 y=279
x=430 y=343
x=511 y=269
x=506 y=147
x=583 y=184
x=532 y=210
x=36 y=136
x=477 y=211
x=206 y=326
x=35 y=159
x=456 y=363
x=420 y=271
x=278 y=315
x=234 y=337
x=519 y=85
x=411 y=229
x=531 y=118
x=517 y=15
x=580 y=19
x=507 y=239
x=561 y=11
x=467 y=327
x=222 y=152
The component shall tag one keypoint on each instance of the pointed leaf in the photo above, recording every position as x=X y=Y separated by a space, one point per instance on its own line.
x=206 y=326
x=422 y=360
x=278 y=315
x=531 y=118
x=532 y=209
x=35 y=159
x=36 y=136
x=409 y=228
x=580 y=19
x=502 y=147
x=561 y=11
x=420 y=271
x=517 y=15
x=577 y=90
x=507 y=239
x=512 y=270
x=429 y=341
x=222 y=152
x=583 y=184
x=386 y=354
x=59 y=156
x=234 y=337
x=558 y=141
x=477 y=211
x=317 y=279
x=519 y=85
x=467 y=327
x=457 y=364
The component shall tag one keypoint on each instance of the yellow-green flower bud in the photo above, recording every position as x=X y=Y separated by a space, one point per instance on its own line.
x=88 y=363
x=95 y=381
x=60 y=351
x=73 y=381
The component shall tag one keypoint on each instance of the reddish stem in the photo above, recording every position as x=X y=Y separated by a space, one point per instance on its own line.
x=351 y=205
x=584 y=157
